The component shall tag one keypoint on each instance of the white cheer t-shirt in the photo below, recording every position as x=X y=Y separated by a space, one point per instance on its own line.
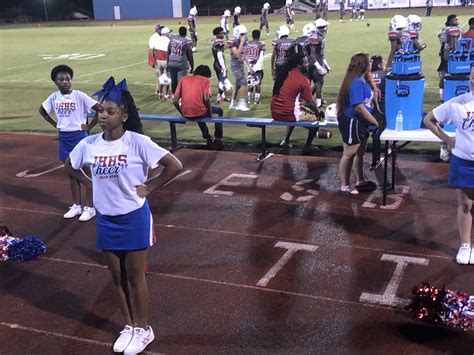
x=71 y=109
x=117 y=167
x=459 y=111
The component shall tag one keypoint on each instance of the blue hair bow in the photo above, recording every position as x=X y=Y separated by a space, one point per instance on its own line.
x=112 y=92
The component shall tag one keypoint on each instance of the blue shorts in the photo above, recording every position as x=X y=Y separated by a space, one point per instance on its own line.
x=67 y=142
x=461 y=173
x=131 y=231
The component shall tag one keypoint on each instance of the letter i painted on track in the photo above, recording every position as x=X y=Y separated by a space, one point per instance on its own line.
x=291 y=249
x=389 y=298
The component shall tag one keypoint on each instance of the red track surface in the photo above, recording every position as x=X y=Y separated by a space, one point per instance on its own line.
x=208 y=293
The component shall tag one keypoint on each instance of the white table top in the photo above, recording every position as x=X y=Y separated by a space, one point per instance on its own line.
x=415 y=135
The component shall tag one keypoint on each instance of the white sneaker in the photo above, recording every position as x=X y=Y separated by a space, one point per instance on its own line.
x=124 y=339
x=141 y=338
x=87 y=214
x=232 y=107
x=444 y=153
x=242 y=108
x=464 y=254
x=471 y=261
x=74 y=211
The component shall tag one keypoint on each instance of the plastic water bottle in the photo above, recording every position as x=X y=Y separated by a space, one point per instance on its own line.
x=399 y=122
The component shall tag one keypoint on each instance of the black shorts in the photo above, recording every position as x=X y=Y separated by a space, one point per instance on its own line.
x=353 y=130
x=259 y=75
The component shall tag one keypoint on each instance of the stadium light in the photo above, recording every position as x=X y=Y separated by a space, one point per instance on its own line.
x=45 y=10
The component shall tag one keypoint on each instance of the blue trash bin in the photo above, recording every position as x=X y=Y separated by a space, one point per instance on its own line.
x=404 y=93
x=455 y=85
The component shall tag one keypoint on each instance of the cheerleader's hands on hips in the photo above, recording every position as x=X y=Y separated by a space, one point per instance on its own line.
x=143 y=190
x=451 y=141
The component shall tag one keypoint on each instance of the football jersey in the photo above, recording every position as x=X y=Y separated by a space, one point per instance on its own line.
x=236 y=62
x=225 y=23
x=217 y=45
x=236 y=19
x=253 y=50
x=178 y=48
x=117 y=167
x=302 y=45
x=399 y=37
x=70 y=109
x=263 y=16
x=284 y=48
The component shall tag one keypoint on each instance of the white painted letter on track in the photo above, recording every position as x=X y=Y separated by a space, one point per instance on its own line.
x=232 y=180
x=397 y=198
x=389 y=298
x=291 y=249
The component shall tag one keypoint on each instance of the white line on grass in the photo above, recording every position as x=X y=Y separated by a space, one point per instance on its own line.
x=272 y=237
x=65 y=336
x=110 y=69
x=29 y=65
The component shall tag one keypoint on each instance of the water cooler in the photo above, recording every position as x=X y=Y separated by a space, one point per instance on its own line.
x=456 y=82
x=404 y=88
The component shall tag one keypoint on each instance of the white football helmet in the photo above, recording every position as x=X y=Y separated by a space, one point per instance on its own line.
x=227 y=13
x=308 y=29
x=266 y=6
x=289 y=2
x=193 y=11
x=283 y=30
x=237 y=9
x=321 y=26
x=331 y=113
x=225 y=85
x=414 y=23
x=398 y=22
x=164 y=79
x=239 y=31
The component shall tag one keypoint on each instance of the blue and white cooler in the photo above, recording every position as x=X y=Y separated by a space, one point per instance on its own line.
x=404 y=93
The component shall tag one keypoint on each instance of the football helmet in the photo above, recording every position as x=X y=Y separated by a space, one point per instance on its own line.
x=164 y=79
x=308 y=29
x=331 y=113
x=239 y=31
x=225 y=85
x=193 y=11
x=283 y=30
x=289 y=2
x=266 y=6
x=227 y=13
x=237 y=9
x=414 y=23
x=321 y=26
x=398 y=22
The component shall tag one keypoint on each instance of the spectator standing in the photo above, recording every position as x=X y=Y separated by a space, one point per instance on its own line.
x=194 y=92
x=470 y=33
x=179 y=55
x=354 y=107
x=459 y=111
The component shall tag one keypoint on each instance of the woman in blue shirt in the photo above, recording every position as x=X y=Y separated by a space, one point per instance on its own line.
x=354 y=107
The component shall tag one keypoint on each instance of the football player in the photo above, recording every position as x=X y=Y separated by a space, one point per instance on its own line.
x=192 y=27
x=264 y=19
x=218 y=47
x=414 y=27
x=283 y=47
x=237 y=11
x=320 y=66
x=396 y=35
x=237 y=59
x=225 y=23
x=255 y=51
x=289 y=15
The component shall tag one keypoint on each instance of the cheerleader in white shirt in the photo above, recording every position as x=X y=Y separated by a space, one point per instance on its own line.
x=124 y=168
x=459 y=111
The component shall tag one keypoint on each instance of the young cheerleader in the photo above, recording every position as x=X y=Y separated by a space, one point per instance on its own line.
x=124 y=168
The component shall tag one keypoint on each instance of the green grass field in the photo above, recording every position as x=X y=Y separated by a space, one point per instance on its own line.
x=29 y=52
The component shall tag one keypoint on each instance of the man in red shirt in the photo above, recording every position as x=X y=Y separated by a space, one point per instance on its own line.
x=470 y=32
x=194 y=92
x=291 y=87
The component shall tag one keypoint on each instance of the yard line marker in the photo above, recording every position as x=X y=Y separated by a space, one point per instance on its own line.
x=29 y=65
x=207 y=230
x=232 y=284
x=109 y=69
x=69 y=337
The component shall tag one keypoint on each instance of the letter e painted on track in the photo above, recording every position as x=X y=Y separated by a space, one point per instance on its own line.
x=232 y=180
x=291 y=249
x=389 y=298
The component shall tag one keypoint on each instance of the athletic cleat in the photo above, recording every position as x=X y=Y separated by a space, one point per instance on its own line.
x=140 y=339
x=464 y=254
x=124 y=339
x=87 y=214
x=74 y=210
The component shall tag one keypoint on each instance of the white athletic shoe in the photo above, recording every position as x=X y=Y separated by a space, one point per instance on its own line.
x=140 y=339
x=124 y=339
x=242 y=107
x=74 y=211
x=233 y=107
x=464 y=254
x=87 y=214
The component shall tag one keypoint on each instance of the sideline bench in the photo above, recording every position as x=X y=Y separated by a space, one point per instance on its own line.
x=261 y=123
